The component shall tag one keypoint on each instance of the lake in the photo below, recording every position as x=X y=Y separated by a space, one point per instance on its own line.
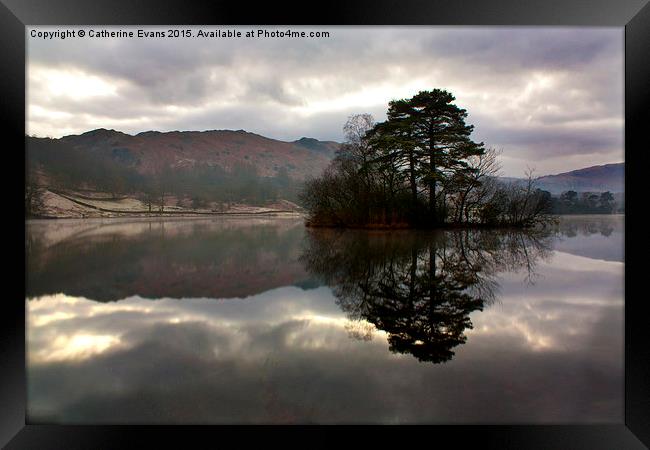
x=252 y=320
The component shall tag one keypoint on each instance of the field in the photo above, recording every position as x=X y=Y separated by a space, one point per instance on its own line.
x=72 y=204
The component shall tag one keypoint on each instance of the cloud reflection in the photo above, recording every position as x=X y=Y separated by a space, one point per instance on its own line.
x=546 y=352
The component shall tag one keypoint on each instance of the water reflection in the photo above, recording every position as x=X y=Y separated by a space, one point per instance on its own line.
x=254 y=321
x=598 y=237
x=109 y=260
x=420 y=287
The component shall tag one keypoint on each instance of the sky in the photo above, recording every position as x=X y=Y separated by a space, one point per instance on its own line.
x=550 y=99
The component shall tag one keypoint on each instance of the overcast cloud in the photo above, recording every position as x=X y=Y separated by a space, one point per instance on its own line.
x=551 y=98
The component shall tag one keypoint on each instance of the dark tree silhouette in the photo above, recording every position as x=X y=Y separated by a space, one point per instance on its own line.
x=419 y=287
x=418 y=169
x=434 y=132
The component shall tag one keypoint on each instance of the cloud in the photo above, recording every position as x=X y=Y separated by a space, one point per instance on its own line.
x=521 y=86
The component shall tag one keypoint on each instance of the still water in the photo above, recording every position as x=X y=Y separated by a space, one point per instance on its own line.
x=263 y=321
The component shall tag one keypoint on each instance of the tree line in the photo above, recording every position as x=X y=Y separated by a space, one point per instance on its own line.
x=572 y=202
x=419 y=168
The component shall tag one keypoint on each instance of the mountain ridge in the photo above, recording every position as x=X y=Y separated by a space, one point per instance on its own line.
x=150 y=151
x=599 y=178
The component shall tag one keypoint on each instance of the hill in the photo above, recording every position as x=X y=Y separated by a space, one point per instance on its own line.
x=608 y=177
x=202 y=172
x=151 y=151
x=188 y=172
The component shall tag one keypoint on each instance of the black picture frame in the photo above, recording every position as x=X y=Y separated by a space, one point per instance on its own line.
x=634 y=15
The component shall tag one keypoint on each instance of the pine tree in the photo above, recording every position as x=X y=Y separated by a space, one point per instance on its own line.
x=431 y=133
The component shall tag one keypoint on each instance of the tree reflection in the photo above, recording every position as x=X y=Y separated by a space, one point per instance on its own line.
x=420 y=287
x=603 y=225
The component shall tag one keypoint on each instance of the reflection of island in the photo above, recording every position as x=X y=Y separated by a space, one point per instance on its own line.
x=109 y=261
x=604 y=225
x=597 y=237
x=420 y=287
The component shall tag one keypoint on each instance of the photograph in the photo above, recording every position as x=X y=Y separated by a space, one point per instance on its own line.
x=324 y=225
x=374 y=219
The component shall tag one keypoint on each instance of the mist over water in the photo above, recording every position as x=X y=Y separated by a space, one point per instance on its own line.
x=264 y=321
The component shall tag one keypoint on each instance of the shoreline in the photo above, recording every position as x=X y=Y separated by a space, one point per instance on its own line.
x=176 y=215
x=412 y=228
x=455 y=226
x=58 y=204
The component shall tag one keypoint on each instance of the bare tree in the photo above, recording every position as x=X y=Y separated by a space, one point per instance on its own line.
x=474 y=185
x=526 y=204
x=355 y=130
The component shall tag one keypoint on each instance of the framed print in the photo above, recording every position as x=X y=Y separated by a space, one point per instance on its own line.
x=369 y=214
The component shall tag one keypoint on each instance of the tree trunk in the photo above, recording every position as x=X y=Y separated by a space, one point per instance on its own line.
x=414 y=187
x=463 y=200
x=432 y=276
x=414 y=265
x=432 y=181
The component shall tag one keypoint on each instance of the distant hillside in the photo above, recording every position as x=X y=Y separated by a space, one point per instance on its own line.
x=203 y=172
x=325 y=148
x=151 y=151
x=178 y=172
x=608 y=177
